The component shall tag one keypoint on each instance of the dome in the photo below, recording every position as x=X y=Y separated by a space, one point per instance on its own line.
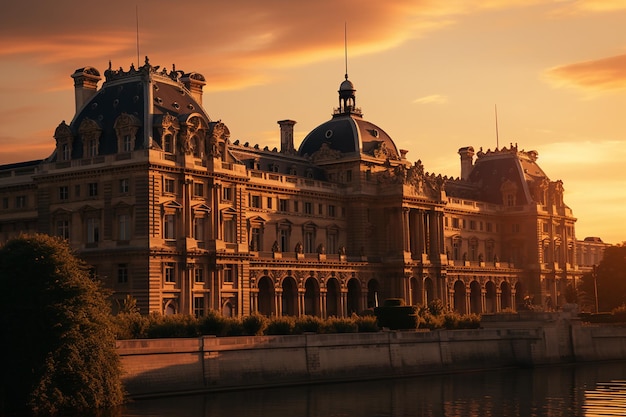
x=350 y=134
x=346 y=85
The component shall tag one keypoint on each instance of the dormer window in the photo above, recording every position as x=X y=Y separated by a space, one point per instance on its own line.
x=126 y=143
x=126 y=127
x=66 y=152
x=168 y=143
x=90 y=132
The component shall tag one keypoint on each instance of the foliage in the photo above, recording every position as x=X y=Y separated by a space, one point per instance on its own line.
x=213 y=323
x=178 y=325
x=254 y=324
x=309 y=324
x=281 y=326
x=61 y=351
x=366 y=324
x=340 y=325
x=610 y=276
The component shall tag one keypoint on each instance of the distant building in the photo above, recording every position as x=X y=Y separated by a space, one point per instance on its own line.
x=152 y=192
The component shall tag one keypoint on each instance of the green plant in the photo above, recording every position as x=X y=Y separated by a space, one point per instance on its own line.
x=366 y=324
x=340 y=325
x=254 y=324
x=61 y=353
x=213 y=324
x=178 y=325
x=281 y=326
x=309 y=324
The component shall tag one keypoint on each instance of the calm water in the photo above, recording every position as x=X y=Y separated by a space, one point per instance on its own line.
x=573 y=390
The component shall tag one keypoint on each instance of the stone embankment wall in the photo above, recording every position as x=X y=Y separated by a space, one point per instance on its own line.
x=169 y=366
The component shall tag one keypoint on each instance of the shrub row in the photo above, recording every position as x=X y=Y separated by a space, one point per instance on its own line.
x=136 y=326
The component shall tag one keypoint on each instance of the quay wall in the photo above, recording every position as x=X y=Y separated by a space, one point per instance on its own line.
x=172 y=366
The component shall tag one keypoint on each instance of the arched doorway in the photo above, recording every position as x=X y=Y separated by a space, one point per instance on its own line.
x=491 y=300
x=332 y=297
x=415 y=292
x=475 y=298
x=266 y=296
x=290 y=297
x=505 y=295
x=372 y=293
x=311 y=297
x=459 y=297
x=429 y=290
x=354 y=295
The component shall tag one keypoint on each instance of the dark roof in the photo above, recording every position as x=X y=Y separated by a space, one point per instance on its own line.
x=348 y=133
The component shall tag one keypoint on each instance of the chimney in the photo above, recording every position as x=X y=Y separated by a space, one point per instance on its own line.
x=85 y=85
x=194 y=82
x=286 y=136
x=467 y=161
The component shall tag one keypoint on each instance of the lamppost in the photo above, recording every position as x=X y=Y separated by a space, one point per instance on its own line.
x=595 y=285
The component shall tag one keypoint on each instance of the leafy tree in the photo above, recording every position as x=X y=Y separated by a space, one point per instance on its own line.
x=610 y=277
x=59 y=350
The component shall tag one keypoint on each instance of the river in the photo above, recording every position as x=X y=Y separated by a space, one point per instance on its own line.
x=591 y=389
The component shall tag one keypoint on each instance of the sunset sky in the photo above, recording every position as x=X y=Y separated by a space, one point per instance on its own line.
x=429 y=73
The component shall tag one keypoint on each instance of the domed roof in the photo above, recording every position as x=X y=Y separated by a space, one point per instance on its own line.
x=349 y=134
x=346 y=85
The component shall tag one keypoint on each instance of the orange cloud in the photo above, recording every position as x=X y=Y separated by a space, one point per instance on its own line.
x=604 y=74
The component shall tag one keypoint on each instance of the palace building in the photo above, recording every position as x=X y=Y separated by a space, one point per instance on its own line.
x=151 y=192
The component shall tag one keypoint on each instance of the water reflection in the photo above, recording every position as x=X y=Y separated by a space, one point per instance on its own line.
x=575 y=390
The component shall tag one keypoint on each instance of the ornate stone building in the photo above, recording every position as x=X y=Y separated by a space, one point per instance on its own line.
x=152 y=192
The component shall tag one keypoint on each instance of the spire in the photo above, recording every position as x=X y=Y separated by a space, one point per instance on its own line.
x=347 y=96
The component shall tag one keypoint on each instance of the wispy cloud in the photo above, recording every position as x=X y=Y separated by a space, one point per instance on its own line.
x=605 y=74
x=431 y=99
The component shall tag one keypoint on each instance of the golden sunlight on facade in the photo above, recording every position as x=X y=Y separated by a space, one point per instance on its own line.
x=152 y=192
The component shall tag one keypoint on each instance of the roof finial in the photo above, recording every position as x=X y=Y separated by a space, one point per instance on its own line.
x=345 y=45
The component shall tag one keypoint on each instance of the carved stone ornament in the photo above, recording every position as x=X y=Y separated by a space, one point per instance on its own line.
x=89 y=130
x=325 y=153
x=63 y=133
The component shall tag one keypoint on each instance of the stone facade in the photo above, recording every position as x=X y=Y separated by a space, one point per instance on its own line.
x=152 y=192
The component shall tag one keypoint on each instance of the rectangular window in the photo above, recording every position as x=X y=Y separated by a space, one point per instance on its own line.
x=227 y=194
x=5 y=202
x=168 y=144
x=169 y=186
x=331 y=210
x=489 y=227
x=349 y=176
x=515 y=228
x=472 y=225
x=198 y=228
x=228 y=273
x=77 y=191
x=455 y=222
x=283 y=205
x=546 y=229
x=64 y=192
x=93 y=148
x=229 y=231
x=296 y=206
x=198 y=189
x=93 y=230
x=331 y=242
x=198 y=274
x=92 y=189
x=308 y=207
x=123 y=227
x=320 y=209
x=170 y=272
x=124 y=185
x=169 y=229
x=283 y=240
x=66 y=152
x=309 y=241
x=126 y=144
x=255 y=201
x=63 y=229
x=198 y=306
x=20 y=201
x=255 y=239
x=269 y=202
x=122 y=273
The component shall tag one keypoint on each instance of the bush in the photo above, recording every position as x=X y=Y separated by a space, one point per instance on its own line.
x=178 y=325
x=309 y=324
x=281 y=326
x=254 y=324
x=234 y=327
x=213 y=324
x=366 y=324
x=340 y=325
x=130 y=326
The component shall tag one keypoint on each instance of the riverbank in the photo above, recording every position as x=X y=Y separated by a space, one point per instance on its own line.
x=174 y=366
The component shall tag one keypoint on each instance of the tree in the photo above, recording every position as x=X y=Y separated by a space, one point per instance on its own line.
x=610 y=278
x=59 y=350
